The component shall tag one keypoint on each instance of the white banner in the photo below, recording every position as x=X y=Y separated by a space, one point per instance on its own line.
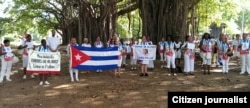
x=142 y=52
x=44 y=62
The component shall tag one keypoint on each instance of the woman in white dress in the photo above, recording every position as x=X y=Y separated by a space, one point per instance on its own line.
x=189 y=56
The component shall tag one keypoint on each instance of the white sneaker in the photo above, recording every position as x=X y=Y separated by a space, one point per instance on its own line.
x=242 y=73
x=77 y=79
x=72 y=80
x=100 y=70
x=24 y=77
x=41 y=83
x=169 y=74
x=9 y=80
x=46 y=82
x=175 y=74
x=32 y=76
x=97 y=71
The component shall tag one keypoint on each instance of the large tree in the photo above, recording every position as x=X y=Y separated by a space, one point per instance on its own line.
x=165 y=17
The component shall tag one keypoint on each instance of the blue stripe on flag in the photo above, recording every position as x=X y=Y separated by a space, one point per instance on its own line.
x=96 y=49
x=97 y=58
x=93 y=68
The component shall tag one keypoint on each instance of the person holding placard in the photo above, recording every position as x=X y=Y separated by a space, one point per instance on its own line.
x=170 y=54
x=27 y=45
x=144 y=63
x=6 y=58
x=224 y=50
x=206 y=48
x=189 y=56
x=43 y=76
x=151 y=62
x=244 y=53
x=72 y=70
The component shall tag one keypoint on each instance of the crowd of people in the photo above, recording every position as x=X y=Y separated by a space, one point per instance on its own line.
x=171 y=52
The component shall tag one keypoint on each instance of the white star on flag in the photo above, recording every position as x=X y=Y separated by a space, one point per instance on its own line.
x=78 y=57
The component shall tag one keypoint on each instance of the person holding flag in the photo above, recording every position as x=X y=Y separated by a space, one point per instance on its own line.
x=98 y=44
x=224 y=50
x=72 y=70
x=144 y=63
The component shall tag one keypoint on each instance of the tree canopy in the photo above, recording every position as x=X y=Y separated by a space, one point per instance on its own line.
x=128 y=18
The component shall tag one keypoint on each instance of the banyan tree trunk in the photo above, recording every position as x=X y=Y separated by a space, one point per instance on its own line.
x=165 y=17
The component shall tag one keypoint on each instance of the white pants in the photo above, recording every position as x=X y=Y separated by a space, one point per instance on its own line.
x=206 y=60
x=178 y=54
x=171 y=61
x=245 y=63
x=5 y=69
x=120 y=62
x=188 y=64
x=124 y=59
x=71 y=70
x=225 y=65
x=162 y=57
x=25 y=61
x=132 y=61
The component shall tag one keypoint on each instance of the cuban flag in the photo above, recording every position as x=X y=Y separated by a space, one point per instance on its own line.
x=86 y=58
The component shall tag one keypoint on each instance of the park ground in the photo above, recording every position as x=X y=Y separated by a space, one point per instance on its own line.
x=101 y=90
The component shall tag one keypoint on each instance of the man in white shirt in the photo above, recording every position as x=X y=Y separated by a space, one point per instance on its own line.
x=26 y=46
x=53 y=42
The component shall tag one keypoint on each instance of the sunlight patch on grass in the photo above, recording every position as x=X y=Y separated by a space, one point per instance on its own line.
x=65 y=86
x=52 y=93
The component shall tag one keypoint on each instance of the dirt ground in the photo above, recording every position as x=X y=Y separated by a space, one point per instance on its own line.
x=101 y=90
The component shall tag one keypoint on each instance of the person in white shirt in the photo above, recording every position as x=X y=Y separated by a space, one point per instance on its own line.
x=224 y=49
x=189 y=56
x=244 y=54
x=236 y=49
x=98 y=44
x=177 y=47
x=144 y=63
x=120 y=48
x=206 y=48
x=86 y=44
x=6 y=58
x=170 y=54
x=72 y=70
x=26 y=45
x=132 y=60
x=161 y=49
x=53 y=42
x=151 y=62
